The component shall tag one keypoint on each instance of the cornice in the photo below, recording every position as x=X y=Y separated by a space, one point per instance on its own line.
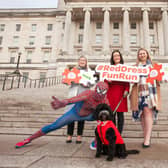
x=47 y=12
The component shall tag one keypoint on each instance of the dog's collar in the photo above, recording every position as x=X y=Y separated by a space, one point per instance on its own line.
x=103 y=123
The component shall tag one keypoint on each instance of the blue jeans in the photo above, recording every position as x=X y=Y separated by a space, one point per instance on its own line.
x=70 y=116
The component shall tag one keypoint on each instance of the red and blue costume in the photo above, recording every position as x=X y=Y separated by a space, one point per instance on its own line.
x=83 y=108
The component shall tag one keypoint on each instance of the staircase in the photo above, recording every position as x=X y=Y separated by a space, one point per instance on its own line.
x=24 y=111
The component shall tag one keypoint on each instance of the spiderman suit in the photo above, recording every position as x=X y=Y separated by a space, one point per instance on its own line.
x=83 y=108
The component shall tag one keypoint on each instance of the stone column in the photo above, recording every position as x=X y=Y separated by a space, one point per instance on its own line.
x=126 y=32
x=67 y=29
x=86 y=30
x=106 y=29
x=165 y=29
x=146 y=39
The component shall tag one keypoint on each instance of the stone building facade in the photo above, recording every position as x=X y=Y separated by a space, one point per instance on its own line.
x=51 y=39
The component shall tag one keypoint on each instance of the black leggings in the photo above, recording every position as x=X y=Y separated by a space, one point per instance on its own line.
x=120 y=119
x=80 y=128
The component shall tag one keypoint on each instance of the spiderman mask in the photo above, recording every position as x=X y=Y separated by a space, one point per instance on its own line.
x=100 y=91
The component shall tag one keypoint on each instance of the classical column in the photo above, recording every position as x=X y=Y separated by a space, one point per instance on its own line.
x=126 y=32
x=67 y=29
x=165 y=29
x=146 y=38
x=106 y=29
x=86 y=30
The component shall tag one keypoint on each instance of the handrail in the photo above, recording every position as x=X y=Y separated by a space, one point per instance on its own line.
x=14 y=80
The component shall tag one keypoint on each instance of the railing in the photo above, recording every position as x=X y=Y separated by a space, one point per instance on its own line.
x=13 y=81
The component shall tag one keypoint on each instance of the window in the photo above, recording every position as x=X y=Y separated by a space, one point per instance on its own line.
x=98 y=38
x=13 y=55
x=2 y=27
x=29 y=53
x=81 y=25
x=46 y=56
x=151 y=25
x=133 y=25
x=80 y=38
x=133 y=39
x=63 y=25
x=79 y=51
x=29 y=57
x=50 y=27
x=28 y=61
x=15 y=40
x=115 y=25
x=134 y=52
x=34 y=27
x=25 y=76
x=48 y=40
x=116 y=39
x=1 y=39
x=12 y=60
x=42 y=76
x=98 y=51
x=31 y=40
x=152 y=39
x=153 y=52
x=98 y=25
x=18 y=27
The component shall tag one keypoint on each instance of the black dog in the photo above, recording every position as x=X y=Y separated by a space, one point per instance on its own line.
x=109 y=140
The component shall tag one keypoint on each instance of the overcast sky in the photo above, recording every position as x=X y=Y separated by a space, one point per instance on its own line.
x=28 y=3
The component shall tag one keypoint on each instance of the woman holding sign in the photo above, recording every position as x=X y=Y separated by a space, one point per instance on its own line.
x=144 y=98
x=74 y=90
x=116 y=91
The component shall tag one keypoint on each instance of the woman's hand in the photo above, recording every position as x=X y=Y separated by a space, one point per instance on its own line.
x=125 y=94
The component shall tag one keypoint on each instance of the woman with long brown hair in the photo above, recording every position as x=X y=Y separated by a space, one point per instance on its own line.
x=145 y=98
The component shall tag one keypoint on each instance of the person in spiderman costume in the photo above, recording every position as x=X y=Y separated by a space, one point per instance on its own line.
x=84 y=106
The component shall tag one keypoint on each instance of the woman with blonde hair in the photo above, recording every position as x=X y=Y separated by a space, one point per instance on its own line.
x=145 y=98
x=74 y=90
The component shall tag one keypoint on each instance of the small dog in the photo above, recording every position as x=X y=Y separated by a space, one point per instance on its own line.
x=109 y=140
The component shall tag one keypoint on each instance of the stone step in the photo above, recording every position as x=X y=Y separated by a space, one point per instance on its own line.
x=44 y=113
x=27 y=112
x=88 y=125
x=34 y=116
x=44 y=120
x=87 y=133
x=30 y=115
x=24 y=111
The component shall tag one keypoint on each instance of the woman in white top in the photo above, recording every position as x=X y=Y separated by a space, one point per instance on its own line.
x=74 y=90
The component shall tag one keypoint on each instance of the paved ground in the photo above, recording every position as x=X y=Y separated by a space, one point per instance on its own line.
x=53 y=152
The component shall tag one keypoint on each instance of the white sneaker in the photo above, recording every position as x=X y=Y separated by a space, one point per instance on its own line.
x=93 y=145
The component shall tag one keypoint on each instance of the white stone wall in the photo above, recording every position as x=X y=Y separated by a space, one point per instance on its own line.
x=59 y=59
x=23 y=45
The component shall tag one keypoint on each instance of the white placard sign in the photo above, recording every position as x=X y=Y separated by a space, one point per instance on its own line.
x=165 y=70
x=121 y=72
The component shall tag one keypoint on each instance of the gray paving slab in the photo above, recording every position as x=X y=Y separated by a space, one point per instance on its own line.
x=8 y=161
x=52 y=162
x=57 y=148
x=97 y=163
x=7 y=144
x=53 y=152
